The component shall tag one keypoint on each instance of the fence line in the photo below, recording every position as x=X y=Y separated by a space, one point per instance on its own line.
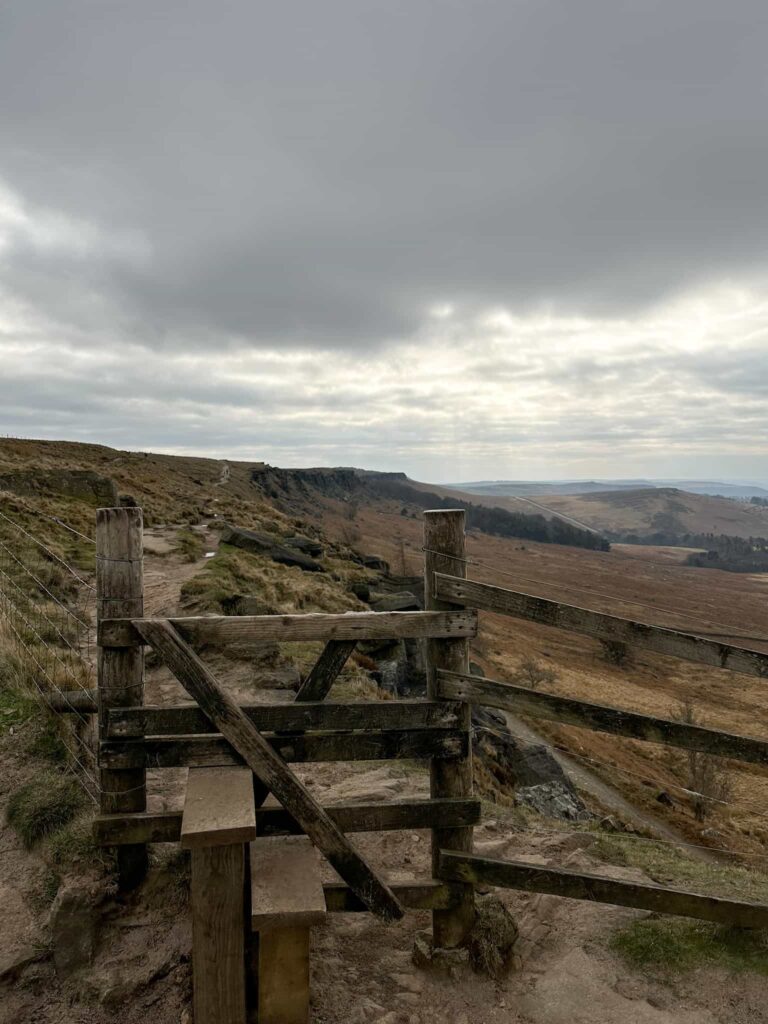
x=47 y=613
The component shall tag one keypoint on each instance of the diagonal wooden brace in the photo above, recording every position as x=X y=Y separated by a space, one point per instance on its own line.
x=318 y=683
x=270 y=768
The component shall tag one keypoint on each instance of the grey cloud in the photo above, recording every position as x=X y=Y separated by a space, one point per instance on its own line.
x=319 y=174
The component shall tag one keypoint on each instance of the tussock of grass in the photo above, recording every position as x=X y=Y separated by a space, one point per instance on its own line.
x=281 y=588
x=189 y=545
x=674 y=945
x=43 y=805
x=73 y=843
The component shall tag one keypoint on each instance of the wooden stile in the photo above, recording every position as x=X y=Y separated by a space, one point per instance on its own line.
x=450 y=587
x=270 y=768
x=120 y=592
x=444 y=553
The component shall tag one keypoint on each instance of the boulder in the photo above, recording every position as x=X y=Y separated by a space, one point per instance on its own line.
x=310 y=547
x=246 y=604
x=360 y=590
x=262 y=544
x=553 y=800
x=73 y=929
x=399 y=602
x=375 y=562
x=398 y=584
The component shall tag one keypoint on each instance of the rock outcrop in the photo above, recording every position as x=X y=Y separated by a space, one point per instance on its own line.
x=263 y=544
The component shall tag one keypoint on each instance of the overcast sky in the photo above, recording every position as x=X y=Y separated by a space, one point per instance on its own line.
x=468 y=239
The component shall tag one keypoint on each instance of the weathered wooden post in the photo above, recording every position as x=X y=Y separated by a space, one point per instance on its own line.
x=120 y=594
x=444 y=552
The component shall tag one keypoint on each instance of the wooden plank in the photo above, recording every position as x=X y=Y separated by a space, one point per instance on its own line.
x=332 y=660
x=603 y=627
x=165 y=827
x=431 y=895
x=120 y=592
x=286 y=883
x=220 y=630
x=144 y=827
x=218 y=808
x=316 y=715
x=444 y=548
x=601 y=717
x=209 y=751
x=218 y=934
x=582 y=886
x=271 y=769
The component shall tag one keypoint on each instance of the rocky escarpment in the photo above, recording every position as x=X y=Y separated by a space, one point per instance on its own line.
x=81 y=484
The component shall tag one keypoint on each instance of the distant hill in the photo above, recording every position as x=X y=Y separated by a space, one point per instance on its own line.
x=513 y=488
x=660 y=510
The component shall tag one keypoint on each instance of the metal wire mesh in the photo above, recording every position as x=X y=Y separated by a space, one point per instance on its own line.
x=48 y=626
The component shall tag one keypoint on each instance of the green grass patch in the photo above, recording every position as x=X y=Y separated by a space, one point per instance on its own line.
x=46 y=803
x=280 y=589
x=15 y=707
x=73 y=844
x=189 y=545
x=669 y=865
x=675 y=945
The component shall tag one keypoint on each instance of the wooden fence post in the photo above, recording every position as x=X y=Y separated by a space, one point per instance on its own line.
x=444 y=552
x=120 y=594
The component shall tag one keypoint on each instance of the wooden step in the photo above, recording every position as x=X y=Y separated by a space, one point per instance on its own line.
x=219 y=809
x=286 y=883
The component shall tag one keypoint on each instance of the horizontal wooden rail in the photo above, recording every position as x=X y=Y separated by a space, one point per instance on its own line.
x=165 y=827
x=207 y=751
x=125 y=723
x=461 y=867
x=600 y=717
x=431 y=895
x=219 y=630
x=601 y=626
x=74 y=702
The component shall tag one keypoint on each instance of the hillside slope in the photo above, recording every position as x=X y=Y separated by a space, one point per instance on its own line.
x=661 y=510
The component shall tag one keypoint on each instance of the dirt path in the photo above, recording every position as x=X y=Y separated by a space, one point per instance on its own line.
x=608 y=797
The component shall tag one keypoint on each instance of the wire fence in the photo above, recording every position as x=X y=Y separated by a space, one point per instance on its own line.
x=48 y=629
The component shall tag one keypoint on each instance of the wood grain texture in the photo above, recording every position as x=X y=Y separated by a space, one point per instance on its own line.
x=286 y=883
x=429 y=895
x=316 y=715
x=259 y=755
x=218 y=934
x=604 y=627
x=601 y=717
x=582 y=886
x=165 y=826
x=120 y=592
x=220 y=630
x=324 y=672
x=444 y=547
x=284 y=976
x=296 y=748
x=218 y=808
